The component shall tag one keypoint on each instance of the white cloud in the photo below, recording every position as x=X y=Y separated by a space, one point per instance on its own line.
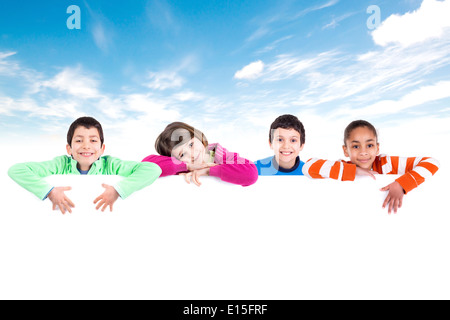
x=287 y=66
x=101 y=39
x=165 y=80
x=251 y=71
x=74 y=82
x=335 y=22
x=421 y=96
x=431 y=20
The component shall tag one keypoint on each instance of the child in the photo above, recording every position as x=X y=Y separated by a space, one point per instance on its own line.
x=85 y=148
x=286 y=139
x=362 y=147
x=185 y=150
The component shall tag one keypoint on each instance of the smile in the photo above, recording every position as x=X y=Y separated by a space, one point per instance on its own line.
x=86 y=154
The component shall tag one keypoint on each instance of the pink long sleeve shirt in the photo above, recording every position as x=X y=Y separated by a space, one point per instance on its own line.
x=231 y=167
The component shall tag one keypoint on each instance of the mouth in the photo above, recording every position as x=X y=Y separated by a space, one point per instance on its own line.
x=364 y=160
x=286 y=153
x=86 y=154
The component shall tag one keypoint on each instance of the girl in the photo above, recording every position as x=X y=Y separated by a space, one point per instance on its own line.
x=362 y=147
x=185 y=150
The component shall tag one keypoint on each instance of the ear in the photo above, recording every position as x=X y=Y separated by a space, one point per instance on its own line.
x=344 y=147
x=69 y=150
x=270 y=144
x=378 y=148
x=103 y=149
x=301 y=147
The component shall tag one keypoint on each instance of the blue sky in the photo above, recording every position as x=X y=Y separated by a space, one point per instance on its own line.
x=221 y=65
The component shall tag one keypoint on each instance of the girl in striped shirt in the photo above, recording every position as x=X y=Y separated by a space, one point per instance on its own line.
x=362 y=147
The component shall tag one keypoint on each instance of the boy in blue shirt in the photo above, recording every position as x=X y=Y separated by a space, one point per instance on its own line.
x=286 y=139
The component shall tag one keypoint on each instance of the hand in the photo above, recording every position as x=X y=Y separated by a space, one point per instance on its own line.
x=365 y=172
x=59 y=198
x=107 y=198
x=198 y=166
x=194 y=175
x=395 y=197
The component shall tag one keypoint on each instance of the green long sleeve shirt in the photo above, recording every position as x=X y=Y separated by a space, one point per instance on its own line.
x=31 y=175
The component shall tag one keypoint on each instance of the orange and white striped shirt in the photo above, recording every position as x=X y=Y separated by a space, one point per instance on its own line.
x=414 y=171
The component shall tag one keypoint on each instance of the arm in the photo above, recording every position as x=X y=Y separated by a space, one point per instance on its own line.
x=137 y=175
x=414 y=171
x=337 y=170
x=233 y=169
x=169 y=166
x=31 y=175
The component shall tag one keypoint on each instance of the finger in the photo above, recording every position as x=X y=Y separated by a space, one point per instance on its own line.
x=187 y=177
x=98 y=198
x=100 y=204
x=400 y=203
x=386 y=201
x=373 y=176
x=66 y=188
x=61 y=208
x=391 y=206
x=104 y=207
x=54 y=206
x=104 y=185
x=69 y=202
x=385 y=188
x=197 y=180
x=111 y=207
x=67 y=207
x=396 y=206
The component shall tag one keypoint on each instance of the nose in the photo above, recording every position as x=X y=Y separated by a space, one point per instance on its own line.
x=363 y=150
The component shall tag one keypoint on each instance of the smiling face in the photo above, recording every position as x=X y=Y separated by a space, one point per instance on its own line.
x=286 y=145
x=362 y=147
x=86 y=147
x=192 y=152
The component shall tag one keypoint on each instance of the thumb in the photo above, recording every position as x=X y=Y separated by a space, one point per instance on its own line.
x=104 y=185
x=66 y=188
x=387 y=188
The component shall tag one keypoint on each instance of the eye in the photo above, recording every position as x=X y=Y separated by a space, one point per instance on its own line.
x=370 y=146
x=181 y=155
x=279 y=139
x=355 y=147
x=294 y=140
x=191 y=144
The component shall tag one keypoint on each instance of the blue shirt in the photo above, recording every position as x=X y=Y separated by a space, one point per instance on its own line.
x=270 y=167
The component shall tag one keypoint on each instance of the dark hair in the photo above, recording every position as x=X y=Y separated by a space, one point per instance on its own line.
x=288 y=121
x=174 y=134
x=358 y=124
x=88 y=123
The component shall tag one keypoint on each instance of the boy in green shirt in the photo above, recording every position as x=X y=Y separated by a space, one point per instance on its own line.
x=85 y=148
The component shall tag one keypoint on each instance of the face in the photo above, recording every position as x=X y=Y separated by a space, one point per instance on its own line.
x=192 y=152
x=86 y=147
x=286 y=145
x=362 y=147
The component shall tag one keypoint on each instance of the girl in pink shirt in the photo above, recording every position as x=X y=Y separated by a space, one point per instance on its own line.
x=185 y=150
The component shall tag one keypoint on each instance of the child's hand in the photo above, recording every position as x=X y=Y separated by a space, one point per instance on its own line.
x=395 y=196
x=59 y=198
x=365 y=172
x=107 y=198
x=194 y=175
x=198 y=166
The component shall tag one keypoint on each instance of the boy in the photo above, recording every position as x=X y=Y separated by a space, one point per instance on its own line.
x=286 y=139
x=85 y=148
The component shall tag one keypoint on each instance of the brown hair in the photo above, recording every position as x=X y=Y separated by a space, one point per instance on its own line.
x=288 y=121
x=358 y=124
x=87 y=122
x=177 y=133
